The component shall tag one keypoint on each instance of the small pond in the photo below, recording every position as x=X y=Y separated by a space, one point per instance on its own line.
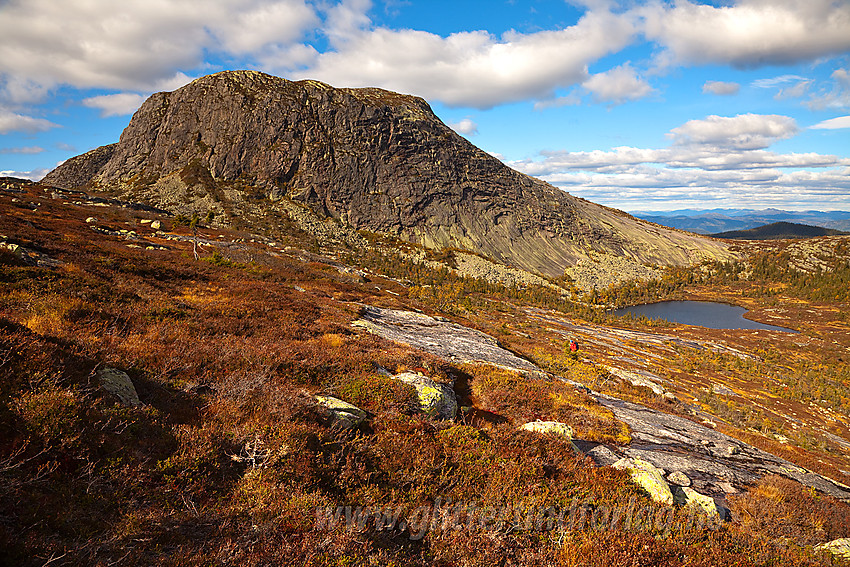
x=701 y=313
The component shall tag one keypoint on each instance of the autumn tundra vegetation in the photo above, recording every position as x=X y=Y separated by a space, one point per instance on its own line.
x=227 y=458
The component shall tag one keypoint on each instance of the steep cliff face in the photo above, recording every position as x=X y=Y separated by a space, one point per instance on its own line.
x=371 y=159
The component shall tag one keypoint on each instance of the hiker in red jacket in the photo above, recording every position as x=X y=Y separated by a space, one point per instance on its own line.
x=573 y=345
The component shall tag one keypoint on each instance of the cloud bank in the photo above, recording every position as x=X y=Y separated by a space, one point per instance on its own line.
x=714 y=159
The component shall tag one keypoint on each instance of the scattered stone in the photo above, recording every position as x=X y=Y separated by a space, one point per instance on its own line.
x=603 y=456
x=345 y=415
x=156 y=225
x=551 y=428
x=648 y=477
x=838 y=547
x=722 y=390
x=732 y=450
x=91 y=220
x=688 y=497
x=31 y=257
x=679 y=478
x=15 y=249
x=145 y=221
x=437 y=401
x=118 y=383
x=299 y=288
x=554 y=427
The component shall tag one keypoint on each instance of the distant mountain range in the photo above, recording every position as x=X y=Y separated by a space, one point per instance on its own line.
x=778 y=230
x=722 y=220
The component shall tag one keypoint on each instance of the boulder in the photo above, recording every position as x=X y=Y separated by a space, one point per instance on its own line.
x=554 y=427
x=551 y=428
x=679 y=478
x=688 y=497
x=437 y=401
x=838 y=547
x=648 y=477
x=156 y=225
x=345 y=415
x=118 y=383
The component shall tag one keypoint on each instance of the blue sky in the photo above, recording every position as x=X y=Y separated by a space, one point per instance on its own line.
x=636 y=104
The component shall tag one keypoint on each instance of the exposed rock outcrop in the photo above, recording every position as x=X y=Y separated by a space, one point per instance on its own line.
x=648 y=477
x=838 y=547
x=343 y=414
x=688 y=497
x=437 y=401
x=368 y=158
x=118 y=383
x=441 y=337
x=553 y=427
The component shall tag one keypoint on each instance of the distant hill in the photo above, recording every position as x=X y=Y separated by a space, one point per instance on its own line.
x=721 y=220
x=778 y=230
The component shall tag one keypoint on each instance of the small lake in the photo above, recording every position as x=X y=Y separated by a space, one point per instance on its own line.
x=701 y=313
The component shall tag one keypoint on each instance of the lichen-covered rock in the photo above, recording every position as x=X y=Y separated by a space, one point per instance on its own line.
x=118 y=383
x=553 y=427
x=345 y=415
x=679 y=478
x=838 y=547
x=648 y=477
x=687 y=496
x=437 y=401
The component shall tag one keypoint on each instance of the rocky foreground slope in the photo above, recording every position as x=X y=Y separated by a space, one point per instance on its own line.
x=243 y=144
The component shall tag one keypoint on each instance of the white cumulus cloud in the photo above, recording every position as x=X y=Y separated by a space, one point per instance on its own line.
x=473 y=69
x=34 y=175
x=133 y=44
x=749 y=33
x=721 y=88
x=617 y=85
x=716 y=158
x=115 y=104
x=465 y=126
x=13 y=122
x=743 y=132
x=833 y=123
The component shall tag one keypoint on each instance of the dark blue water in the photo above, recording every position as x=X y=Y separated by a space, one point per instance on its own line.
x=701 y=313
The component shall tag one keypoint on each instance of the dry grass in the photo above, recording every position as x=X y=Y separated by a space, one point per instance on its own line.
x=523 y=399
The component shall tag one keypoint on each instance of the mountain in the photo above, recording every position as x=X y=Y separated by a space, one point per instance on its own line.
x=252 y=148
x=779 y=230
x=721 y=220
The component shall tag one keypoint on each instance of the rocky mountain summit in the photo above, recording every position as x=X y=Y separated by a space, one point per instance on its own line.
x=243 y=144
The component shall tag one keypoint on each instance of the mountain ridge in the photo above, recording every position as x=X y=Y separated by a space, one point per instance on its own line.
x=779 y=230
x=243 y=143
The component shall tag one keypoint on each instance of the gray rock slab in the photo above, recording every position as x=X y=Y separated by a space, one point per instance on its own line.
x=441 y=337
